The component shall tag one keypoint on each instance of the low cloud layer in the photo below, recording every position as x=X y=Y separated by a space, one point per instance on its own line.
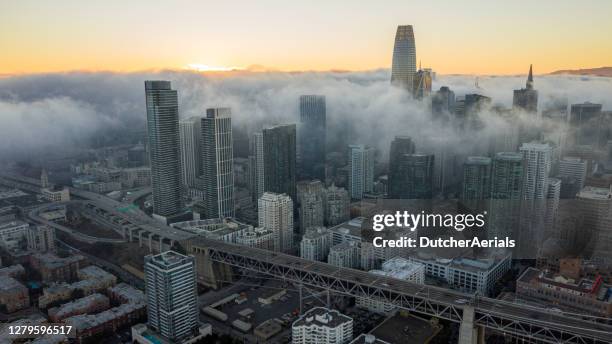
x=59 y=112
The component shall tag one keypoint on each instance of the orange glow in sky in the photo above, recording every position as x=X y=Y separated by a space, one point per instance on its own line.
x=476 y=37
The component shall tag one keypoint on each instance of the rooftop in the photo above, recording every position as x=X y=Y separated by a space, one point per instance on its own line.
x=168 y=259
x=320 y=316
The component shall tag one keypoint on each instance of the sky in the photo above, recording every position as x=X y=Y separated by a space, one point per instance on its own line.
x=452 y=37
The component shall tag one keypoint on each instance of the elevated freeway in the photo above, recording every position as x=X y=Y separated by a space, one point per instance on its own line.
x=471 y=312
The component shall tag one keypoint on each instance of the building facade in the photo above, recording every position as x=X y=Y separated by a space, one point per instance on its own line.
x=164 y=147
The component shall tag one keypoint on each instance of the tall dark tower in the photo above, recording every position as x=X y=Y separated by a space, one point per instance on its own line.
x=526 y=99
x=163 y=135
x=312 y=137
x=279 y=160
x=400 y=146
x=403 y=66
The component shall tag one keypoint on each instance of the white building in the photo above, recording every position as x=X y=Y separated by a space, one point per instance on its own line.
x=348 y=231
x=322 y=326
x=399 y=268
x=171 y=292
x=361 y=170
x=41 y=238
x=259 y=238
x=345 y=255
x=465 y=274
x=11 y=233
x=315 y=244
x=275 y=212
x=56 y=194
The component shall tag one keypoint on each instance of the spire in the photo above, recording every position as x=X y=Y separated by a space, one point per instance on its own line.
x=530 y=78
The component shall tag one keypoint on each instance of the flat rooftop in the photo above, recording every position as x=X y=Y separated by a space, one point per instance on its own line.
x=400 y=329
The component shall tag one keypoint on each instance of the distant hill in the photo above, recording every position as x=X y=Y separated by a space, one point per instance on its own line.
x=601 y=71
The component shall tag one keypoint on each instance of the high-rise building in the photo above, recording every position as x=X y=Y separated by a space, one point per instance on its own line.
x=476 y=178
x=400 y=146
x=276 y=214
x=164 y=146
x=361 y=170
x=572 y=167
x=403 y=66
x=218 y=163
x=190 y=134
x=311 y=207
x=336 y=204
x=552 y=204
x=538 y=159
x=443 y=103
x=526 y=99
x=44 y=179
x=256 y=166
x=322 y=326
x=312 y=137
x=171 y=292
x=415 y=177
x=280 y=159
x=315 y=244
x=506 y=193
x=422 y=83
x=585 y=124
x=594 y=205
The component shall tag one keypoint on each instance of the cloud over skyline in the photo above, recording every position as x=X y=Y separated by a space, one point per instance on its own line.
x=57 y=111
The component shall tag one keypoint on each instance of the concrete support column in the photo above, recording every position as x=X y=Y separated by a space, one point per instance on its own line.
x=468 y=334
x=139 y=238
x=150 y=242
x=161 y=244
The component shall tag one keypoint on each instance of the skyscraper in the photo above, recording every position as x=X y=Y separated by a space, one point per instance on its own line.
x=576 y=168
x=312 y=137
x=310 y=199
x=190 y=133
x=538 y=160
x=403 y=66
x=553 y=194
x=476 y=181
x=400 y=146
x=443 y=103
x=422 y=83
x=280 y=159
x=361 y=170
x=336 y=202
x=276 y=214
x=526 y=99
x=218 y=163
x=171 y=292
x=585 y=124
x=256 y=166
x=506 y=193
x=163 y=136
x=416 y=177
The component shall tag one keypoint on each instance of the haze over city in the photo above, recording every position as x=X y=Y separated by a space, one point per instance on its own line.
x=329 y=172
